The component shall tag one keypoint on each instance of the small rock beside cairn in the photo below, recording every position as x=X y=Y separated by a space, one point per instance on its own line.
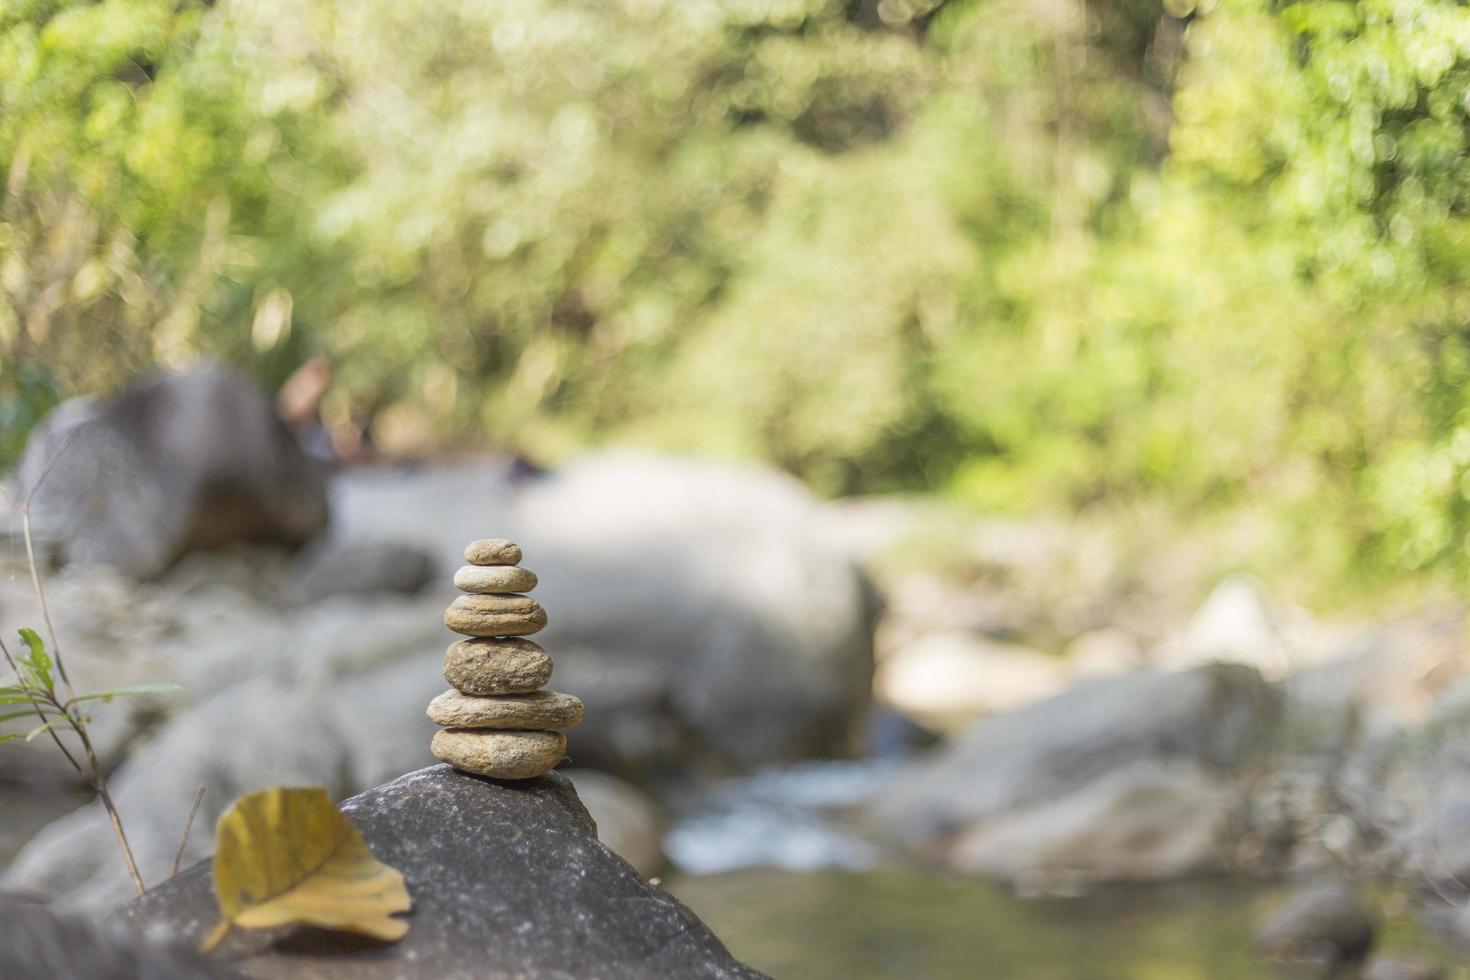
x=497 y=721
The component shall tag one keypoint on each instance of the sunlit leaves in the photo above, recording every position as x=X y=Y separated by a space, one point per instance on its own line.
x=1003 y=250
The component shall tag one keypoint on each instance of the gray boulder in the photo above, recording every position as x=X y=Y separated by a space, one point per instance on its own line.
x=360 y=569
x=1325 y=924
x=1143 y=821
x=38 y=944
x=507 y=879
x=761 y=630
x=701 y=611
x=629 y=821
x=1402 y=967
x=1081 y=780
x=176 y=463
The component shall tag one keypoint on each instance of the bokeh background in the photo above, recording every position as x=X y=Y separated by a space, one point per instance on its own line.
x=1205 y=260
x=1066 y=311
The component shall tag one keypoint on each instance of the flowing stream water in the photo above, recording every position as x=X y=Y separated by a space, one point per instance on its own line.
x=794 y=890
x=923 y=925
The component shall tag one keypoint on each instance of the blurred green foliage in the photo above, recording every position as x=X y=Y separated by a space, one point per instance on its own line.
x=1035 y=253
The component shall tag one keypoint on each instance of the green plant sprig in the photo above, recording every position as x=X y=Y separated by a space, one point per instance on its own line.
x=36 y=674
x=36 y=687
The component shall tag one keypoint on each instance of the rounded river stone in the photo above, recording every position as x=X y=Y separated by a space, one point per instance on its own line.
x=504 y=665
x=495 y=615
x=494 y=579
x=500 y=755
x=539 y=711
x=492 y=551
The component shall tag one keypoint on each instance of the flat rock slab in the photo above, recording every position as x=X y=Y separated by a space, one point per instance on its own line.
x=507 y=879
x=537 y=711
x=495 y=615
x=494 y=579
x=38 y=944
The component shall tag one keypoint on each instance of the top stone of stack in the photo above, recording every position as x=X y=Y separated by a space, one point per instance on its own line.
x=494 y=605
x=492 y=551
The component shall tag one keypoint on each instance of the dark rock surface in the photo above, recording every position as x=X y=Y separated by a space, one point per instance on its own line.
x=176 y=463
x=38 y=944
x=1325 y=924
x=508 y=879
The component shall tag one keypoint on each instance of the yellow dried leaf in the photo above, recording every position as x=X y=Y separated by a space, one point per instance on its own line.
x=288 y=856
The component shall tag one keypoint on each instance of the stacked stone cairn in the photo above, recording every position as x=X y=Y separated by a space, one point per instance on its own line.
x=497 y=720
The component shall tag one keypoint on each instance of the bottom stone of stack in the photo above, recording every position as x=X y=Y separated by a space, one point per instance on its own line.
x=500 y=754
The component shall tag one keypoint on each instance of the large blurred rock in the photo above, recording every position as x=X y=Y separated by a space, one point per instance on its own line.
x=364 y=569
x=715 y=633
x=1384 y=730
x=507 y=879
x=1143 y=821
x=1054 y=785
x=182 y=461
x=1395 y=966
x=37 y=944
x=759 y=629
x=699 y=610
x=1325 y=924
x=629 y=821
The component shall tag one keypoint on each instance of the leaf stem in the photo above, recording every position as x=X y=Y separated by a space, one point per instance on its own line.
x=216 y=936
x=188 y=823
x=100 y=781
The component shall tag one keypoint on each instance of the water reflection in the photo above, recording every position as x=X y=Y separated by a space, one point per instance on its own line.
x=912 y=923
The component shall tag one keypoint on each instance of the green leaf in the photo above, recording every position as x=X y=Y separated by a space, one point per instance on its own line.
x=128 y=691
x=39 y=661
x=16 y=699
x=41 y=729
x=32 y=640
x=17 y=714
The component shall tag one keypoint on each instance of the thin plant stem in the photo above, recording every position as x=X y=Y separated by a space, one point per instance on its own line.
x=216 y=936
x=100 y=782
x=188 y=824
x=95 y=774
x=25 y=527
